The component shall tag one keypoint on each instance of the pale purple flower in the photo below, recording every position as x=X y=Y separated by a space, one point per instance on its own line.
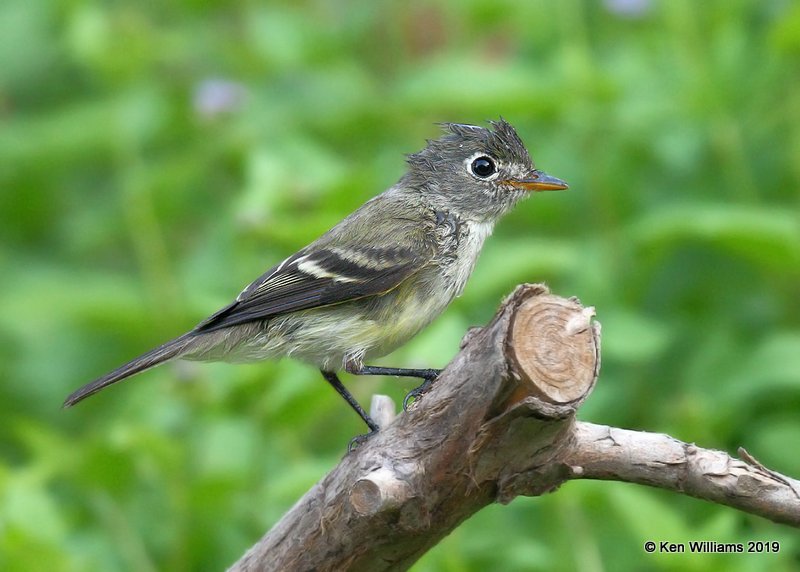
x=215 y=96
x=629 y=8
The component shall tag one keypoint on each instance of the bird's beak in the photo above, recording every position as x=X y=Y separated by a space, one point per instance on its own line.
x=538 y=181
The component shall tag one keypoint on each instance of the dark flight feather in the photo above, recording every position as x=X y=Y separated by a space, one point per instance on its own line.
x=320 y=278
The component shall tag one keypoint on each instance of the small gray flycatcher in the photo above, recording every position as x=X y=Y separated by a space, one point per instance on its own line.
x=378 y=277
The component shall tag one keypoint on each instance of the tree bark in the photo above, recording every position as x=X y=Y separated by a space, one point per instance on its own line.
x=498 y=423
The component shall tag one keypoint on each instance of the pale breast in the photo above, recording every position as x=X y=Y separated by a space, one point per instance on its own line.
x=471 y=236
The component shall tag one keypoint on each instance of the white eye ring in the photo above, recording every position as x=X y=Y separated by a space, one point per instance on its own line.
x=482 y=166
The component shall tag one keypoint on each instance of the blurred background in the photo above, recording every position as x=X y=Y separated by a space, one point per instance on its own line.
x=157 y=156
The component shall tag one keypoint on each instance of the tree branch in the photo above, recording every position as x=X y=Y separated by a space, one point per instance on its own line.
x=608 y=453
x=498 y=423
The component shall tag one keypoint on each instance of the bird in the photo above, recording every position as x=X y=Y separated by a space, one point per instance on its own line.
x=378 y=277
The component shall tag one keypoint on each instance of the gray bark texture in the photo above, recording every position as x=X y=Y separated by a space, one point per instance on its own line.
x=498 y=423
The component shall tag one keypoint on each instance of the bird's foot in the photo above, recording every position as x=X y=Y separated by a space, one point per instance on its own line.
x=429 y=375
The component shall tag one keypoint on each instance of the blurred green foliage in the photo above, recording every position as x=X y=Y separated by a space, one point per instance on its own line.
x=157 y=156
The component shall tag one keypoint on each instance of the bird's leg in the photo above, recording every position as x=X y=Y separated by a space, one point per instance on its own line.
x=333 y=379
x=428 y=375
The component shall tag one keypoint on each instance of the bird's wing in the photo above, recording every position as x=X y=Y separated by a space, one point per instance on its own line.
x=327 y=272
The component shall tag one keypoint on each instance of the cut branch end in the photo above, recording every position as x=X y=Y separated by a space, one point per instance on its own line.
x=553 y=347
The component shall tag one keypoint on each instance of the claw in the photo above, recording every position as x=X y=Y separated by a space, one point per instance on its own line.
x=359 y=440
x=415 y=394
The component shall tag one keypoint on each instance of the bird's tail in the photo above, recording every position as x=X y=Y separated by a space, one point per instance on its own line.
x=165 y=352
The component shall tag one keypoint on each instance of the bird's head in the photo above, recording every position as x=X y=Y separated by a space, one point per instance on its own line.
x=476 y=172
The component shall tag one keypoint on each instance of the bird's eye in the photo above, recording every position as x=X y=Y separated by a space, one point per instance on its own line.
x=483 y=167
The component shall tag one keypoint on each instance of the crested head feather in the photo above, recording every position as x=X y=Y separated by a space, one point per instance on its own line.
x=500 y=141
